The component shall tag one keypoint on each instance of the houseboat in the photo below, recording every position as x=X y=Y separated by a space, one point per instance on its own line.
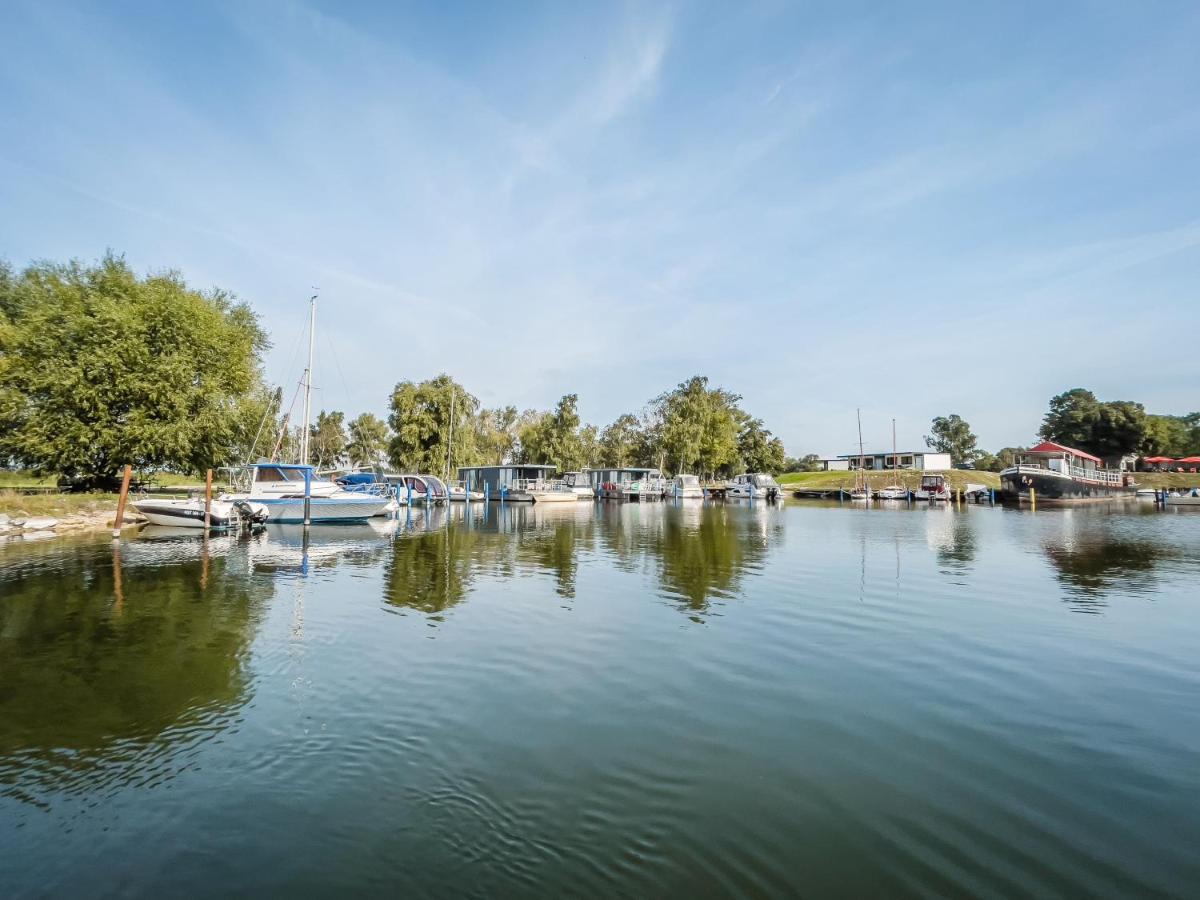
x=1055 y=473
x=515 y=482
x=754 y=486
x=628 y=484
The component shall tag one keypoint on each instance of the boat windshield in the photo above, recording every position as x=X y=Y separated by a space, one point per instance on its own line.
x=689 y=480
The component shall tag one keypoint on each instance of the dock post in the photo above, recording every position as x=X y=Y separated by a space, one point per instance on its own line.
x=207 y=500
x=307 y=497
x=991 y=496
x=408 y=496
x=120 y=519
x=1033 y=498
x=487 y=492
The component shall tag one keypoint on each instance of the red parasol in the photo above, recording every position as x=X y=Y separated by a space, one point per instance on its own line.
x=1158 y=459
x=1189 y=459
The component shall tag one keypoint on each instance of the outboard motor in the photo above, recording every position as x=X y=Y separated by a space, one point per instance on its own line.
x=249 y=514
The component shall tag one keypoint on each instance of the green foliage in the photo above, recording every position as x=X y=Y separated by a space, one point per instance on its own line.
x=368 y=443
x=496 y=434
x=952 y=434
x=99 y=368
x=1109 y=430
x=696 y=428
x=759 y=451
x=327 y=439
x=1174 y=436
x=619 y=442
x=420 y=419
x=809 y=462
x=554 y=437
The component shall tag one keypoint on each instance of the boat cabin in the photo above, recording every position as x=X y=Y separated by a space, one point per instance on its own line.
x=421 y=488
x=1069 y=462
x=619 y=477
x=491 y=480
x=272 y=479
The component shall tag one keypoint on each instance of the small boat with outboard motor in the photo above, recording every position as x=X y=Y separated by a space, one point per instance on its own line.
x=189 y=512
x=754 y=486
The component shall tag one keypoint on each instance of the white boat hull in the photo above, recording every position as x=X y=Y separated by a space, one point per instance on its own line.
x=552 y=496
x=1183 y=501
x=323 y=509
x=190 y=513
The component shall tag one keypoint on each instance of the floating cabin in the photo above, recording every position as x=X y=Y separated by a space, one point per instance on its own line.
x=611 y=483
x=511 y=482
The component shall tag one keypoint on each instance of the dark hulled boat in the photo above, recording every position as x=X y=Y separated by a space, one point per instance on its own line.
x=1059 y=474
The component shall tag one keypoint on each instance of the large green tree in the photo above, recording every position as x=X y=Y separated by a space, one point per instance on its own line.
x=1109 y=429
x=695 y=428
x=99 y=368
x=554 y=437
x=368 y=440
x=758 y=449
x=952 y=434
x=619 y=441
x=422 y=433
x=327 y=439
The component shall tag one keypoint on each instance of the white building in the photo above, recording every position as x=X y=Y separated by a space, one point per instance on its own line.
x=923 y=460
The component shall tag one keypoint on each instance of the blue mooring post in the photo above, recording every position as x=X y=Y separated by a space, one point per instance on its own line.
x=503 y=492
x=992 y=496
x=487 y=492
x=408 y=500
x=307 y=496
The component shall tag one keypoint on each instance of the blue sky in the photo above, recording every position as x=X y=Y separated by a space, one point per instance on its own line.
x=915 y=208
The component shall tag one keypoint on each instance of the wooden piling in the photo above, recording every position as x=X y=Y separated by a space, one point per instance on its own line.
x=126 y=476
x=207 y=500
x=1033 y=498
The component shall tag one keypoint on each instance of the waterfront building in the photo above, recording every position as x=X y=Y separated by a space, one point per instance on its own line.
x=921 y=460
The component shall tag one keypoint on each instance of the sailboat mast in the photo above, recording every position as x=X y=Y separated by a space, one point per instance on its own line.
x=895 y=459
x=450 y=442
x=862 y=475
x=312 y=326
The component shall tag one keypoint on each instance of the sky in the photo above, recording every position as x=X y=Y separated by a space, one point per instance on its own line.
x=912 y=209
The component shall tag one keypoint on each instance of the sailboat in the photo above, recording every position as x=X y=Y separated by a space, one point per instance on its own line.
x=861 y=491
x=293 y=492
x=893 y=491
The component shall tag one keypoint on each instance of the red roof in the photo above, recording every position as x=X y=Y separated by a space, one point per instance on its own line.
x=1051 y=447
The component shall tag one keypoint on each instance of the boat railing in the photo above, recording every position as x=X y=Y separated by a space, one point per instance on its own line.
x=1104 y=476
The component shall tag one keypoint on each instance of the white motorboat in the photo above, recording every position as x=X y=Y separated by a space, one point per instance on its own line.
x=189 y=513
x=892 y=492
x=685 y=487
x=281 y=488
x=548 y=492
x=934 y=488
x=754 y=486
x=580 y=484
x=458 y=493
x=1187 y=498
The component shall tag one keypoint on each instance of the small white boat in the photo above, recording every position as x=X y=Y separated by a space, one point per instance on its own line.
x=754 y=486
x=1189 y=498
x=580 y=484
x=685 y=487
x=458 y=493
x=860 y=495
x=548 y=492
x=189 y=513
x=933 y=488
x=892 y=492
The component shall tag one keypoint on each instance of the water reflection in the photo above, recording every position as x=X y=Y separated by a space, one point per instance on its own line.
x=696 y=551
x=112 y=659
x=1094 y=566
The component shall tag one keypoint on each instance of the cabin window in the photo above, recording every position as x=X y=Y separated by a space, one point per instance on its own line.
x=271 y=474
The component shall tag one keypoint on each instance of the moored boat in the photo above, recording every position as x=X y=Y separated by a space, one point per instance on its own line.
x=1055 y=473
x=548 y=492
x=934 y=488
x=282 y=489
x=189 y=513
x=685 y=487
x=892 y=492
x=580 y=484
x=754 y=486
x=1187 y=498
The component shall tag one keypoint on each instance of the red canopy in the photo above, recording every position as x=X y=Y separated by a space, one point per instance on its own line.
x=1189 y=459
x=1158 y=459
x=1051 y=447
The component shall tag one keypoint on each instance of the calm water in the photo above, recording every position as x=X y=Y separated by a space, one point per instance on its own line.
x=610 y=700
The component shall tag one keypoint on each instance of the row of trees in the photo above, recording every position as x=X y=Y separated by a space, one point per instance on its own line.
x=1116 y=428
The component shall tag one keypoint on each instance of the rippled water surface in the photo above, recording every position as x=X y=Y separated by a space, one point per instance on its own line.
x=609 y=701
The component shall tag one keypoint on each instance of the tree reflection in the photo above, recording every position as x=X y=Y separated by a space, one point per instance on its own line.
x=1093 y=568
x=107 y=660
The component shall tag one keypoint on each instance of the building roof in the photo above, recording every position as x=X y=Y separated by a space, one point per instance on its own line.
x=925 y=452
x=510 y=466
x=1051 y=447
